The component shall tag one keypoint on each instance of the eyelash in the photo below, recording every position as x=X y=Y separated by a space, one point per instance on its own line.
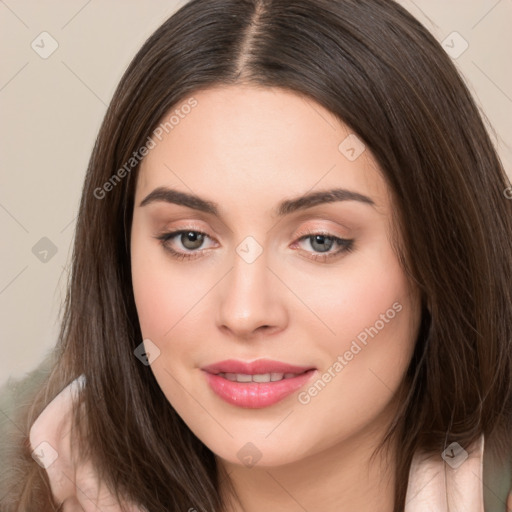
x=346 y=245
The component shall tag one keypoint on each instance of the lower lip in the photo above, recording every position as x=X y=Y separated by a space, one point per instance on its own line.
x=255 y=395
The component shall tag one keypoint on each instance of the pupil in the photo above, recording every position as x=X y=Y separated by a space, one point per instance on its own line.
x=195 y=238
x=324 y=243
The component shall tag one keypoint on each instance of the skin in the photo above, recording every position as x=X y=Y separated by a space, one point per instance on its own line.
x=247 y=149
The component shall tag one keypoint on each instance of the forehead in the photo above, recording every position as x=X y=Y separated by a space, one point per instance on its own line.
x=241 y=143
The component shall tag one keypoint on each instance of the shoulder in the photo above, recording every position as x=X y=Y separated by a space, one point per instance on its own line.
x=480 y=478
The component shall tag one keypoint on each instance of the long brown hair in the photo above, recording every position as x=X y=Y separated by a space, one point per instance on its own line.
x=383 y=74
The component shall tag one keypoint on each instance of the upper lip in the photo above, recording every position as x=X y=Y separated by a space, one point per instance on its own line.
x=258 y=367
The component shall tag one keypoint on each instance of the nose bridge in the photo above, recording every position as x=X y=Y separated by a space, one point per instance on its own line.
x=250 y=295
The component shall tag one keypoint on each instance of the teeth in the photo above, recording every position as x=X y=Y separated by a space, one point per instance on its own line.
x=261 y=377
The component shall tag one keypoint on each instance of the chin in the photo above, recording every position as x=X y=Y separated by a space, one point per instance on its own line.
x=256 y=453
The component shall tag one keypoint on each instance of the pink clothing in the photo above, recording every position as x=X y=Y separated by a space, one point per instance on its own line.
x=429 y=480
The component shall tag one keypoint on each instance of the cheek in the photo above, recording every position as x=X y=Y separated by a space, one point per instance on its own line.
x=373 y=323
x=173 y=309
x=158 y=302
x=363 y=292
x=162 y=294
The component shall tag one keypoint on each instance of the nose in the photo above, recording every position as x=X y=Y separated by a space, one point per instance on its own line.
x=251 y=301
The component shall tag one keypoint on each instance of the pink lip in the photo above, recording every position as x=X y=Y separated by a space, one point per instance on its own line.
x=255 y=395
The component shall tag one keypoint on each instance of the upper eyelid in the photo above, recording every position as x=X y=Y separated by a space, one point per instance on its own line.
x=308 y=229
x=302 y=233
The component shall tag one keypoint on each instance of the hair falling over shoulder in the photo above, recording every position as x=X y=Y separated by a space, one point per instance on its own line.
x=383 y=74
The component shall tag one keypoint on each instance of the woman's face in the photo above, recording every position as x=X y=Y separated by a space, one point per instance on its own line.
x=284 y=323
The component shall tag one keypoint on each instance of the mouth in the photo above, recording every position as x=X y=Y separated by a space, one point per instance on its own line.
x=255 y=384
x=259 y=377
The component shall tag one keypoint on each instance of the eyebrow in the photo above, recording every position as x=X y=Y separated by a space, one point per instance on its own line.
x=167 y=195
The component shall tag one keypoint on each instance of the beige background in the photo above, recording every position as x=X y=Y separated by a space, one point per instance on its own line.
x=51 y=110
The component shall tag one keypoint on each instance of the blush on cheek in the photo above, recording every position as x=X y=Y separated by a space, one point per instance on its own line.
x=361 y=305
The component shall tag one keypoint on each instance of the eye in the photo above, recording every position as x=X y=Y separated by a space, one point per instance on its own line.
x=192 y=240
x=324 y=242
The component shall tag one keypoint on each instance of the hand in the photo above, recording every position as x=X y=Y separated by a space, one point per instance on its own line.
x=75 y=485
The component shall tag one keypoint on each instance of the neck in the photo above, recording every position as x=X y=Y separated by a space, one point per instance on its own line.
x=343 y=478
